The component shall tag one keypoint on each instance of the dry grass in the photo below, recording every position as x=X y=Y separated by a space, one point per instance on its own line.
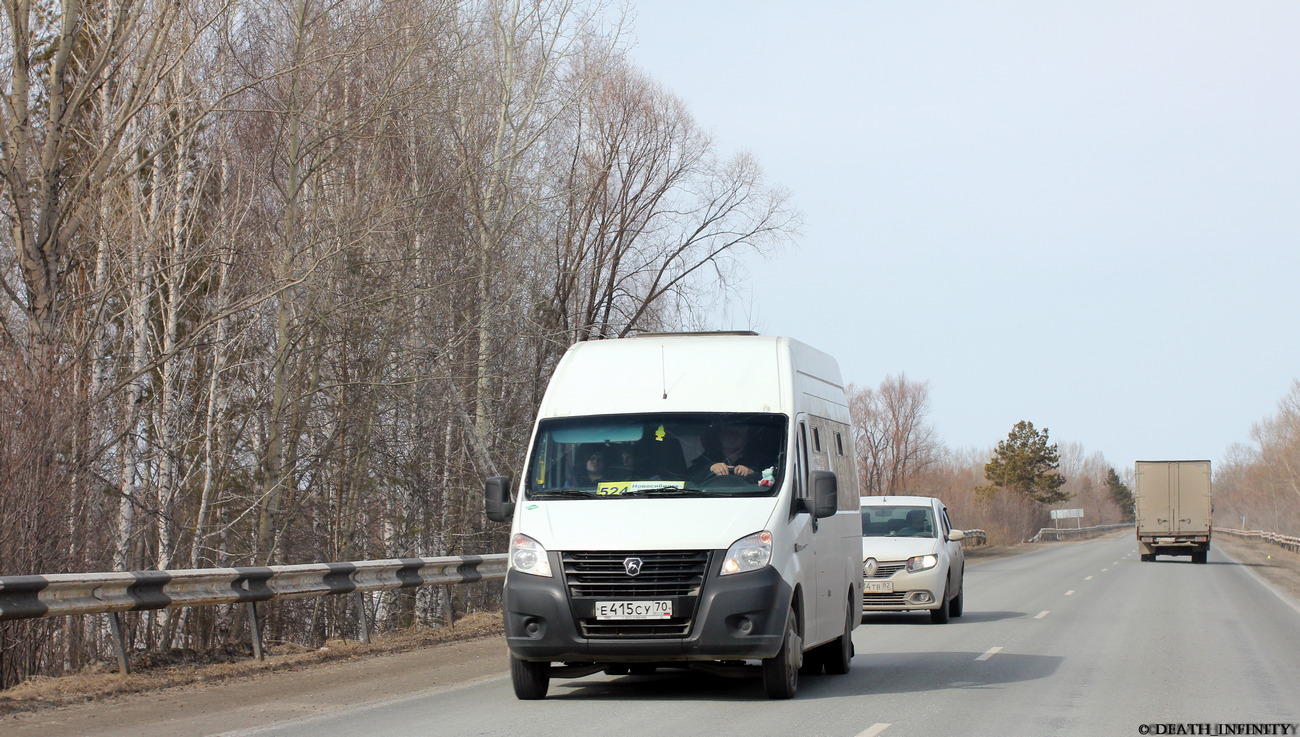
x=151 y=673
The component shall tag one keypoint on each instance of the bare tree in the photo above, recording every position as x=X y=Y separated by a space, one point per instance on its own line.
x=652 y=214
x=1259 y=486
x=896 y=443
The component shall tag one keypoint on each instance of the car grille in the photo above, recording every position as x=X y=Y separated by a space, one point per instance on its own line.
x=663 y=573
x=885 y=569
x=597 y=629
x=676 y=574
x=897 y=599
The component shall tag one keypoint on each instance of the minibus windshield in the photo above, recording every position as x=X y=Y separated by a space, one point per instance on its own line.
x=658 y=455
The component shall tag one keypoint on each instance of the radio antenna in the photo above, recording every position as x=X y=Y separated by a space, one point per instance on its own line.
x=663 y=370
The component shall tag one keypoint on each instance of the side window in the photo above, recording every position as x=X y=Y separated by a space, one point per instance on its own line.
x=817 y=440
x=947 y=523
x=801 y=463
x=839 y=443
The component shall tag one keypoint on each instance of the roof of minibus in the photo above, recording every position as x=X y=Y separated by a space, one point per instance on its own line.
x=690 y=372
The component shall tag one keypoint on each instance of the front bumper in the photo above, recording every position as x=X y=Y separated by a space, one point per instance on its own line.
x=922 y=590
x=739 y=617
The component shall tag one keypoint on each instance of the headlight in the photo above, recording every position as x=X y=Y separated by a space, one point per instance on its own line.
x=748 y=554
x=921 y=563
x=528 y=556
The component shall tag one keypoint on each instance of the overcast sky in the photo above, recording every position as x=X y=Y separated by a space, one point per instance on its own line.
x=1083 y=214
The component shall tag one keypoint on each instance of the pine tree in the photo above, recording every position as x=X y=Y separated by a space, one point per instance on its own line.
x=1026 y=464
x=1120 y=494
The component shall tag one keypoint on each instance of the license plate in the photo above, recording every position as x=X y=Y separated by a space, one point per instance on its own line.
x=634 y=609
x=877 y=587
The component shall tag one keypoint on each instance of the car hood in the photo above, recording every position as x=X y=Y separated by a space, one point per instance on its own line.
x=649 y=524
x=898 y=548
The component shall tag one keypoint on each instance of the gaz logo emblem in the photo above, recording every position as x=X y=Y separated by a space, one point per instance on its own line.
x=632 y=566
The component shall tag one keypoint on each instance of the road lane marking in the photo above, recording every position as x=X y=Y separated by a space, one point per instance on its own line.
x=1089 y=578
x=1042 y=614
x=1104 y=570
x=874 y=730
x=990 y=653
x=1070 y=592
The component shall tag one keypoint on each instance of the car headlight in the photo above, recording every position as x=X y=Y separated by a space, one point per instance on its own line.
x=528 y=556
x=922 y=563
x=749 y=553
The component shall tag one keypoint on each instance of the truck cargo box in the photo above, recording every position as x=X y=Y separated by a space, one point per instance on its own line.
x=1173 y=509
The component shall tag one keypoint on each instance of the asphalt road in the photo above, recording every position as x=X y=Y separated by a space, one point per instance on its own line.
x=1080 y=639
x=1072 y=639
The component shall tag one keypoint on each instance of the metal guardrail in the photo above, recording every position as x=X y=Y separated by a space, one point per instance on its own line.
x=1284 y=541
x=55 y=595
x=977 y=537
x=1062 y=533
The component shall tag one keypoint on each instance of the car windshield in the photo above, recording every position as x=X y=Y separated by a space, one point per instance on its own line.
x=897 y=521
x=649 y=455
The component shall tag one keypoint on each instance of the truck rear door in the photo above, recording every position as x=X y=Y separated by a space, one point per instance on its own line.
x=1192 y=505
x=1156 y=498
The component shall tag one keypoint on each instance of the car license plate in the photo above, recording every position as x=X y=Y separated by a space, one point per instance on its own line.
x=634 y=609
x=877 y=587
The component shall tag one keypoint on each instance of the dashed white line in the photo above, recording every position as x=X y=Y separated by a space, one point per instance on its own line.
x=1070 y=592
x=1089 y=578
x=1104 y=570
x=874 y=730
x=1043 y=613
x=989 y=653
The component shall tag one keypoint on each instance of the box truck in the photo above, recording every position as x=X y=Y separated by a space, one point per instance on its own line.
x=1173 y=509
x=687 y=501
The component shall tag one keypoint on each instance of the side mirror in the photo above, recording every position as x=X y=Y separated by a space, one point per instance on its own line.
x=826 y=493
x=955 y=535
x=496 y=500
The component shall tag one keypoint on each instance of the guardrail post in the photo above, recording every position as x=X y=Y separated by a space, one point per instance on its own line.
x=361 y=616
x=256 y=627
x=119 y=642
x=451 y=607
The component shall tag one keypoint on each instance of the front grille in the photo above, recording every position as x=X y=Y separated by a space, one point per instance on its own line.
x=663 y=573
x=604 y=628
x=898 y=599
x=885 y=569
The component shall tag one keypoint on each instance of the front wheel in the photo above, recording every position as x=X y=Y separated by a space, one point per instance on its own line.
x=940 y=615
x=781 y=673
x=955 y=606
x=837 y=655
x=530 y=679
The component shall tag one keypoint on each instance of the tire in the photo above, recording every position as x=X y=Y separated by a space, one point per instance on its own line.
x=1148 y=557
x=837 y=655
x=940 y=615
x=955 y=606
x=616 y=670
x=1201 y=557
x=781 y=673
x=529 y=678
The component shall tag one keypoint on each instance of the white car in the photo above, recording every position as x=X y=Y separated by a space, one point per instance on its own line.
x=911 y=557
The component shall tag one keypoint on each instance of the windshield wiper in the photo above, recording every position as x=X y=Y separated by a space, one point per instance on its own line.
x=663 y=491
x=562 y=494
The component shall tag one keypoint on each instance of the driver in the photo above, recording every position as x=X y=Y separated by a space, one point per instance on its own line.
x=731 y=457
